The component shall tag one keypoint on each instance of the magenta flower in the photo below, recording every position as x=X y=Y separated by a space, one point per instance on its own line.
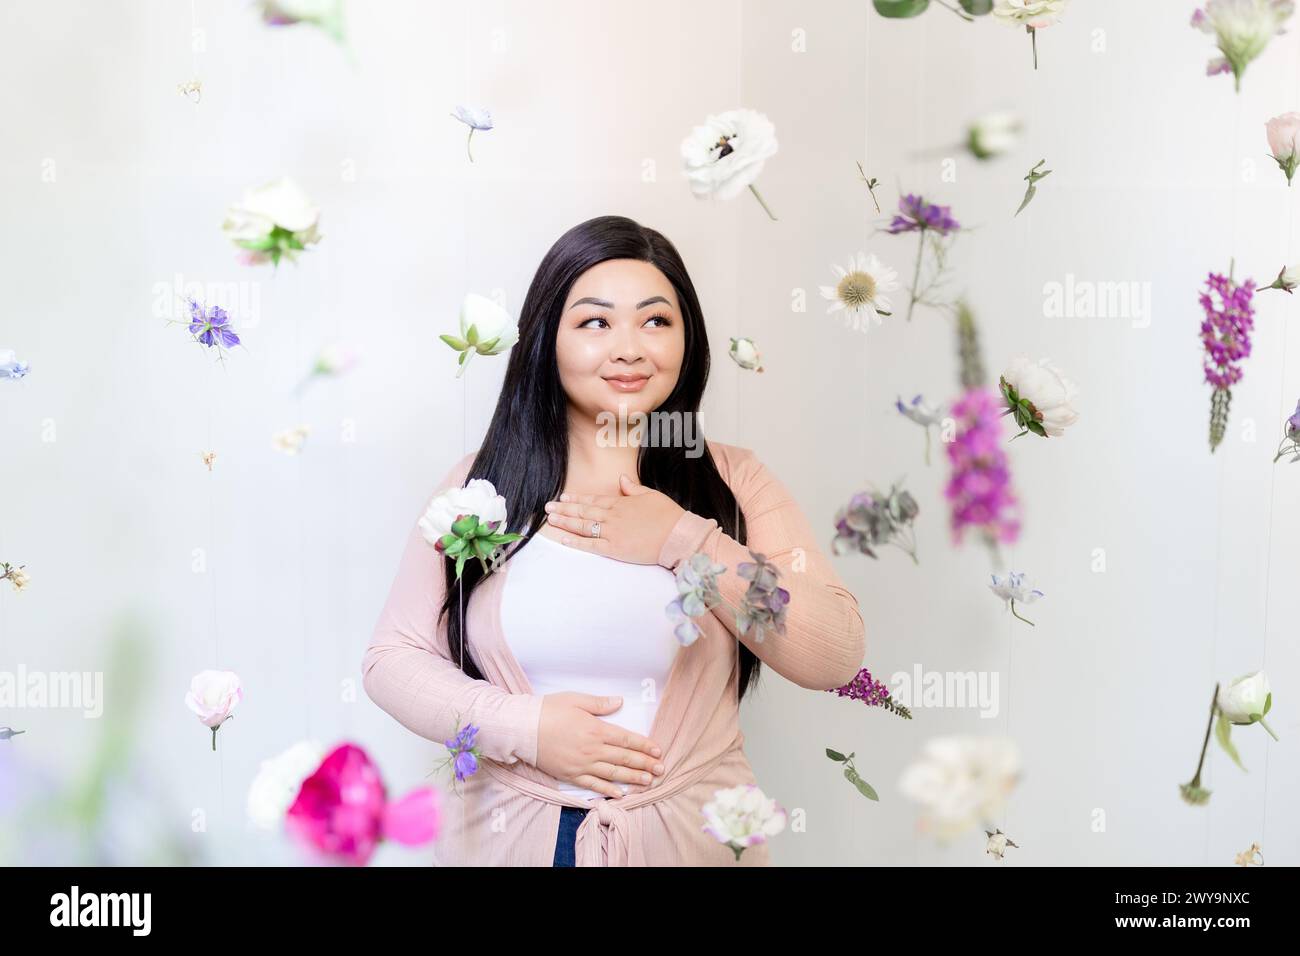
x=342 y=811
x=980 y=487
x=1225 y=334
x=871 y=692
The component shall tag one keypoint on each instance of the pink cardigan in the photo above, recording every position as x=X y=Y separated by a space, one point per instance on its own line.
x=507 y=813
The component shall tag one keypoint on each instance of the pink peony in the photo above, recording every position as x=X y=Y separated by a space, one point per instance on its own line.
x=342 y=811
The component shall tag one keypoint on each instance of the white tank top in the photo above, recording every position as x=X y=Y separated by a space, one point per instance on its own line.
x=578 y=621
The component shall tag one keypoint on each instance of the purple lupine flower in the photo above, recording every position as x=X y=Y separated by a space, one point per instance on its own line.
x=915 y=214
x=212 y=328
x=1225 y=331
x=871 y=692
x=980 y=486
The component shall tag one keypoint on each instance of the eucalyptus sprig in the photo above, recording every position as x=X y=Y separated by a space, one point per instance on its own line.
x=851 y=774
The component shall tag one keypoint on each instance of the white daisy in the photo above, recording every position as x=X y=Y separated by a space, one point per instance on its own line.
x=861 y=291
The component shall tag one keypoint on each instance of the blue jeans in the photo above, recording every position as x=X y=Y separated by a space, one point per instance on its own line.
x=566 y=838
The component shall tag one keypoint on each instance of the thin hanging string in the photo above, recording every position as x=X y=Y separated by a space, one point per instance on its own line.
x=1272 y=483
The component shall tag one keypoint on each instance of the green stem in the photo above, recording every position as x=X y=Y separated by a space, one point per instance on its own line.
x=761 y=203
x=1014 y=614
x=916 y=275
x=1033 y=40
x=960 y=13
x=1265 y=725
x=214 y=738
x=470 y=140
x=1214 y=704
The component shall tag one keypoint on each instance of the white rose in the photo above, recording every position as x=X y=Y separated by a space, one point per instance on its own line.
x=478 y=497
x=213 y=695
x=994 y=134
x=726 y=154
x=742 y=817
x=961 y=781
x=1047 y=389
x=489 y=321
x=1244 y=696
x=746 y=355
x=277 y=783
x=280 y=203
x=1029 y=13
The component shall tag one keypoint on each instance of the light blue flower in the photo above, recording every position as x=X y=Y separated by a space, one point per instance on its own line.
x=475 y=118
x=10 y=367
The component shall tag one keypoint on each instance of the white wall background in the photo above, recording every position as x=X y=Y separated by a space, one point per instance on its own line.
x=1152 y=182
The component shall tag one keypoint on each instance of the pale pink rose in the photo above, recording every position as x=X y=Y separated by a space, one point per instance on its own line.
x=1284 y=141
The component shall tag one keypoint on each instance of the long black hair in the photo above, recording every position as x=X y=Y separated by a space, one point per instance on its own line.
x=525 y=453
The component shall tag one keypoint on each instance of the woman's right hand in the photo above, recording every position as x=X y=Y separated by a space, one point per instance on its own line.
x=574 y=744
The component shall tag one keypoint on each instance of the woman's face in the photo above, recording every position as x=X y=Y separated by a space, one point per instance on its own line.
x=621 y=321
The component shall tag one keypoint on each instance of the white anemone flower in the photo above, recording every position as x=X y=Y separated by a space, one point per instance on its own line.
x=861 y=291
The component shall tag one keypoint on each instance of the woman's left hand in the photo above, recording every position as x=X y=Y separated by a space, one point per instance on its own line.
x=633 y=526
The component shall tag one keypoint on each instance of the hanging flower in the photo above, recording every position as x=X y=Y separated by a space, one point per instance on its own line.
x=726 y=154
x=924 y=414
x=1247 y=857
x=208 y=458
x=998 y=843
x=1287 y=279
x=872 y=520
x=741 y=817
x=278 y=782
x=1015 y=587
x=1241 y=29
x=928 y=221
x=8 y=733
x=325 y=14
x=333 y=361
x=851 y=774
x=1290 y=437
x=1038 y=397
x=764 y=604
x=272 y=222
x=1033 y=15
x=16 y=576
x=212 y=696
x=1225 y=334
x=1245 y=701
x=871 y=692
x=745 y=354
x=291 y=440
x=192 y=90
x=485 y=329
x=475 y=119
x=861 y=291
x=211 y=327
x=697 y=592
x=961 y=782
x=994 y=134
x=1283 y=135
x=980 y=487
x=10 y=367
x=463 y=753
x=464 y=523
x=342 y=812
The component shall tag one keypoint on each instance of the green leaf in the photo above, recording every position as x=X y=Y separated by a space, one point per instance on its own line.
x=976 y=8
x=900 y=9
x=471 y=336
x=1268 y=704
x=864 y=788
x=835 y=755
x=459 y=345
x=1223 y=734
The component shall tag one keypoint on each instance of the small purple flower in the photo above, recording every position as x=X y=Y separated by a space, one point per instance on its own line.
x=764 y=604
x=871 y=692
x=916 y=215
x=212 y=328
x=1293 y=423
x=980 y=487
x=464 y=751
x=1225 y=334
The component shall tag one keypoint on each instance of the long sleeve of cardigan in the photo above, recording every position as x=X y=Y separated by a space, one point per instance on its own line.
x=825 y=638
x=407 y=669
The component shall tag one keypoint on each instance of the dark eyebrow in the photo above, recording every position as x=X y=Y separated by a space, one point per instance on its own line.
x=588 y=300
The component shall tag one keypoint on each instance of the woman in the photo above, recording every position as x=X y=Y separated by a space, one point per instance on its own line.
x=603 y=735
